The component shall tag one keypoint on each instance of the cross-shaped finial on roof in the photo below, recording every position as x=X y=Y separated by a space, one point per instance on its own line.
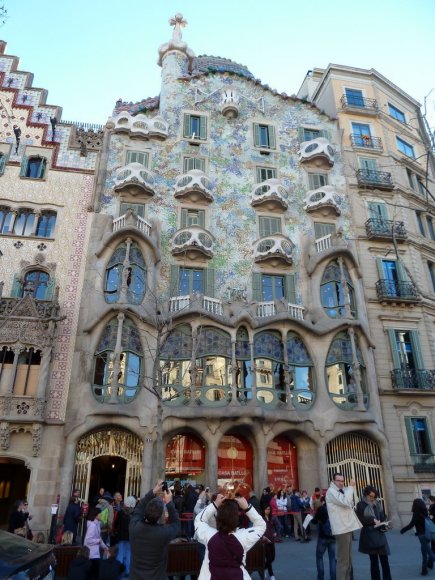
x=178 y=23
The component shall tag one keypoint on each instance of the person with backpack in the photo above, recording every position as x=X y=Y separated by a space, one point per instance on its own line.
x=325 y=541
x=373 y=540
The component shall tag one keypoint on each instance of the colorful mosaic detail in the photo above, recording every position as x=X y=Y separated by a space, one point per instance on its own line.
x=268 y=345
x=297 y=352
x=212 y=341
x=178 y=345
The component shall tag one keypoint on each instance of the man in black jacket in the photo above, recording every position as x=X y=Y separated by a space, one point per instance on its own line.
x=149 y=538
x=325 y=541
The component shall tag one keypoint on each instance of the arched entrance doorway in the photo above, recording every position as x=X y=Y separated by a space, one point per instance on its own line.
x=282 y=465
x=14 y=485
x=185 y=459
x=108 y=457
x=358 y=458
x=235 y=464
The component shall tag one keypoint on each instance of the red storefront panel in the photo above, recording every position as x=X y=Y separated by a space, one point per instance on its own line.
x=235 y=465
x=282 y=467
x=185 y=456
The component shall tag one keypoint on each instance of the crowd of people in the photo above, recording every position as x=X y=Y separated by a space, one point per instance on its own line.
x=130 y=538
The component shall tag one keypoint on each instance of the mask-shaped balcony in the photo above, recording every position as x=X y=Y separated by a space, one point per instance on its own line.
x=140 y=126
x=325 y=199
x=193 y=242
x=378 y=228
x=134 y=179
x=275 y=249
x=193 y=186
x=318 y=150
x=270 y=195
x=230 y=104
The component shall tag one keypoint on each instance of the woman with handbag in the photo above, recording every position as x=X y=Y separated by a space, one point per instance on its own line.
x=373 y=539
x=419 y=515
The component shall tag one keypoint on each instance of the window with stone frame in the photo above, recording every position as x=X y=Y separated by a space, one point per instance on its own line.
x=33 y=167
x=22 y=380
x=336 y=281
x=126 y=272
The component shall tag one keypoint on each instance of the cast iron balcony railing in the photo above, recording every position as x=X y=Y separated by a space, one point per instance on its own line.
x=355 y=102
x=380 y=228
x=419 y=379
x=371 y=178
x=423 y=462
x=396 y=290
x=366 y=141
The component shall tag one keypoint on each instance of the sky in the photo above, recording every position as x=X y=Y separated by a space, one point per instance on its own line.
x=89 y=53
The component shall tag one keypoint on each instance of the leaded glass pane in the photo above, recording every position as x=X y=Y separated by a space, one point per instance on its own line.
x=212 y=341
x=268 y=345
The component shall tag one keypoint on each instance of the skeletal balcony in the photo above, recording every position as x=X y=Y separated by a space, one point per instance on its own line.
x=275 y=249
x=193 y=242
x=140 y=126
x=325 y=199
x=270 y=195
x=134 y=179
x=194 y=186
x=319 y=150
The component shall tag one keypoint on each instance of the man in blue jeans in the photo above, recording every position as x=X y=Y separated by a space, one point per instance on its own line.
x=325 y=541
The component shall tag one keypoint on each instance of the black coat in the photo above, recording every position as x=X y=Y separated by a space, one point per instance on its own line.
x=79 y=569
x=371 y=539
x=71 y=518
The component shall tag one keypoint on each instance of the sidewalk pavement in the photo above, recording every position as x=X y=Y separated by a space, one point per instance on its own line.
x=296 y=561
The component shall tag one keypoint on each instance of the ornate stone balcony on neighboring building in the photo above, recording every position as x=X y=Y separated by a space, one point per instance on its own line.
x=193 y=186
x=276 y=249
x=397 y=291
x=360 y=104
x=130 y=219
x=366 y=142
x=270 y=195
x=135 y=179
x=140 y=126
x=319 y=148
x=374 y=179
x=385 y=229
x=415 y=379
x=325 y=199
x=194 y=242
x=23 y=409
x=45 y=309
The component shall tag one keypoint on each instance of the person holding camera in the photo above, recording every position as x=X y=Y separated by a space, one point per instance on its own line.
x=226 y=546
x=149 y=537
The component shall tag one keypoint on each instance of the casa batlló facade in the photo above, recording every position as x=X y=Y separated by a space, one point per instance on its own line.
x=223 y=306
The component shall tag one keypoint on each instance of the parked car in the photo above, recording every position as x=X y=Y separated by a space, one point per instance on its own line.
x=22 y=559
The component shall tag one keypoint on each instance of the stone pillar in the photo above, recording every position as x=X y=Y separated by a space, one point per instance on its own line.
x=260 y=463
x=148 y=467
x=116 y=361
x=66 y=474
x=254 y=375
x=323 y=463
x=211 y=464
x=8 y=389
x=392 y=508
x=44 y=369
x=37 y=213
x=126 y=271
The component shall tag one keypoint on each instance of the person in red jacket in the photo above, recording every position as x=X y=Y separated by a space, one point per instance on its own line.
x=275 y=519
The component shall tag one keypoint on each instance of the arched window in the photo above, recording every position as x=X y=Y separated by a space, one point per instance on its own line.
x=175 y=365
x=36 y=283
x=243 y=365
x=269 y=368
x=213 y=373
x=340 y=372
x=128 y=270
x=24 y=222
x=301 y=371
x=46 y=223
x=33 y=167
x=332 y=291
x=126 y=364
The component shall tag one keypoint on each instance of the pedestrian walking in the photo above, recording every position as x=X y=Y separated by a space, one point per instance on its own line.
x=93 y=541
x=122 y=533
x=419 y=515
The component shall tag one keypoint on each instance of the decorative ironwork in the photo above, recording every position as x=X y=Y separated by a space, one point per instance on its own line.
x=420 y=379
x=357 y=102
x=366 y=141
x=380 y=228
x=395 y=289
x=372 y=178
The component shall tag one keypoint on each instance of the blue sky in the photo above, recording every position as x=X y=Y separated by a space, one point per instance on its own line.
x=88 y=53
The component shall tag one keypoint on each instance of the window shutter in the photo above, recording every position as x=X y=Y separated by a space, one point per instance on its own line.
x=17 y=287
x=203 y=128
x=393 y=345
x=416 y=350
x=257 y=294
x=186 y=128
x=260 y=174
x=50 y=289
x=401 y=272
x=23 y=169
x=272 y=137
x=301 y=134
x=2 y=164
x=368 y=164
x=175 y=283
x=257 y=140
x=410 y=435
x=201 y=218
x=41 y=168
x=209 y=282
x=183 y=220
x=321 y=229
x=290 y=291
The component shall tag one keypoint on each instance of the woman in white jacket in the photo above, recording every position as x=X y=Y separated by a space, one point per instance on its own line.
x=226 y=546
